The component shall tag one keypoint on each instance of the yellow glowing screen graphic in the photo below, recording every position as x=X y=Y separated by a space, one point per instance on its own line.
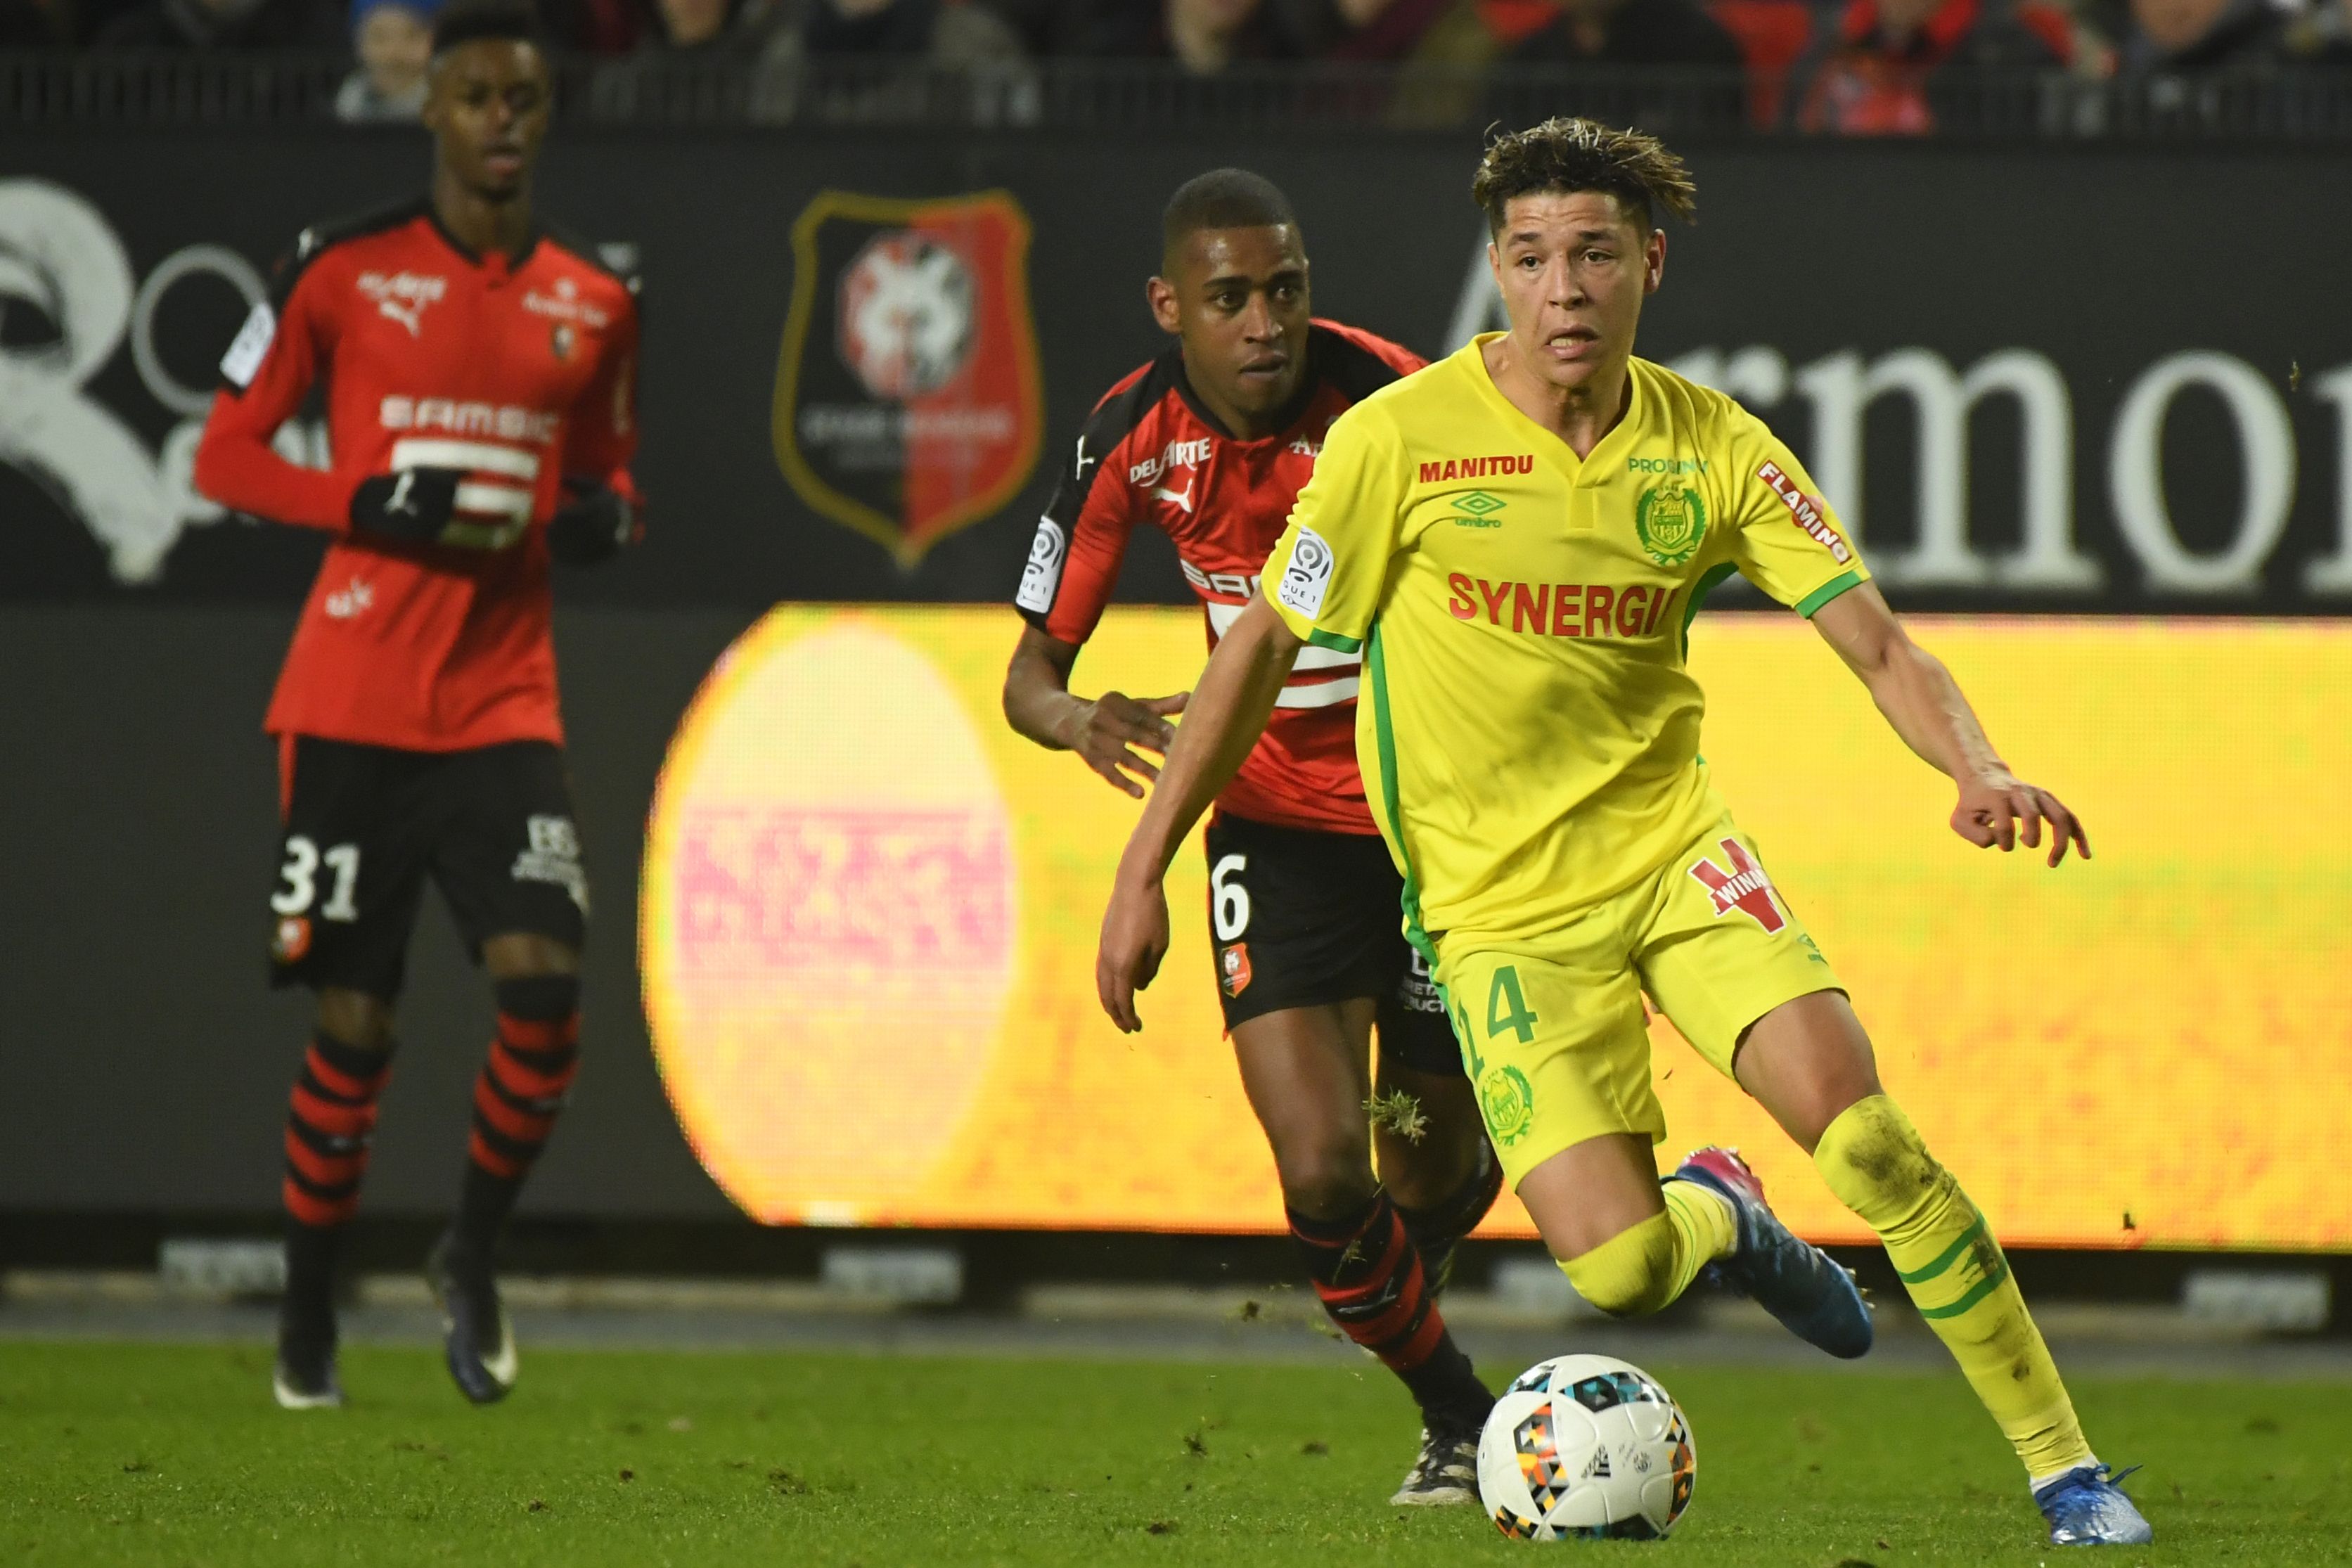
x=869 y=919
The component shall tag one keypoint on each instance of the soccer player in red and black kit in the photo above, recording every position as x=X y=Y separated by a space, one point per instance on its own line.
x=1211 y=443
x=479 y=377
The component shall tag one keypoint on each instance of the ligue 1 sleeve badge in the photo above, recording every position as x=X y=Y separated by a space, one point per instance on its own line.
x=908 y=399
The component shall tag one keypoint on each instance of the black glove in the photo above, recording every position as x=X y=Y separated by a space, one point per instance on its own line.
x=414 y=505
x=592 y=527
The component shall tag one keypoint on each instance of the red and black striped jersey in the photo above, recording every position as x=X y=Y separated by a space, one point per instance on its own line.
x=520 y=374
x=1150 y=456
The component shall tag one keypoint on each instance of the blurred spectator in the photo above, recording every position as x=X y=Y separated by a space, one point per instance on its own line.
x=226 y=25
x=687 y=33
x=899 y=52
x=1204 y=37
x=30 y=25
x=936 y=32
x=1443 y=48
x=1585 y=40
x=2182 y=37
x=1036 y=23
x=605 y=29
x=2323 y=36
x=1904 y=68
x=1629 y=33
x=1374 y=29
x=393 y=39
x=709 y=29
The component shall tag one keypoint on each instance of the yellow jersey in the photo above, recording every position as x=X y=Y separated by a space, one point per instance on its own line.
x=1528 y=732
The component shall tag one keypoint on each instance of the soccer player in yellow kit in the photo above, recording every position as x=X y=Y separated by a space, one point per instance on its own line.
x=1518 y=537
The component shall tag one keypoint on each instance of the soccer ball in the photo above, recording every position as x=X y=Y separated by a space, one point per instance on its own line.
x=1588 y=1446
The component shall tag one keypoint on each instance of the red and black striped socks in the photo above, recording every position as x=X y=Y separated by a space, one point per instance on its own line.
x=1370 y=1277
x=517 y=1098
x=329 y=1126
x=1438 y=1231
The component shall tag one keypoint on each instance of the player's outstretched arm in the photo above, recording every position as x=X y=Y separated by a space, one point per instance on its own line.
x=1228 y=712
x=1039 y=705
x=1925 y=705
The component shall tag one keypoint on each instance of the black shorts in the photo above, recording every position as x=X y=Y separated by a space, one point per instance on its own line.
x=1299 y=918
x=366 y=825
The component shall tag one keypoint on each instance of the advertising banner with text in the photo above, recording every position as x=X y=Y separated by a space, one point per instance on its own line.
x=865 y=356
x=868 y=919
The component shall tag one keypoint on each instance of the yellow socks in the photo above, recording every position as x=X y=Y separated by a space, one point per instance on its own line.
x=1874 y=1162
x=1646 y=1268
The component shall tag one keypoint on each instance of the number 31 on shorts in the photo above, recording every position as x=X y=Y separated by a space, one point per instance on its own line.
x=299 y=879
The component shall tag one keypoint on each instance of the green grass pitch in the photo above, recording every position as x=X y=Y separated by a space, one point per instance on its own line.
x=161 y=1454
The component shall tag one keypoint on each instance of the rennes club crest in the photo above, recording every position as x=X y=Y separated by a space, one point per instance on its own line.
x=907 y=401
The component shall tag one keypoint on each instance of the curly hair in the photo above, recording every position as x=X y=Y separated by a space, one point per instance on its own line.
x=1563 y=156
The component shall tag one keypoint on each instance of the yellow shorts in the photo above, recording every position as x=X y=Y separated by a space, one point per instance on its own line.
x=1551 y=1025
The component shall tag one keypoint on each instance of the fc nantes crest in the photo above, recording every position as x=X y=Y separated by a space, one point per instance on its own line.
x=1671 y=519
x=907 y=399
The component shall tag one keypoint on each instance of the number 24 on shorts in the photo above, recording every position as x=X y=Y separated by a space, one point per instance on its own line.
x=1507 y=1008
x=299 y=879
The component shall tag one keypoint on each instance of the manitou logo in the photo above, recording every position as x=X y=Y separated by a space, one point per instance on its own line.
x=1744 y=887
x=1452 y=468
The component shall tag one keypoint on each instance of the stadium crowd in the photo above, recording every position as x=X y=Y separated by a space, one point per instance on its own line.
x=1849 y=67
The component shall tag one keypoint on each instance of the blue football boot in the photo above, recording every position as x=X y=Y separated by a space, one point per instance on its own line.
x=1794 y=1280
x=2086 y=1508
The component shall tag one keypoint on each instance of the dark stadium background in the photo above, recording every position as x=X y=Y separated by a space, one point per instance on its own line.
x=143 y=1070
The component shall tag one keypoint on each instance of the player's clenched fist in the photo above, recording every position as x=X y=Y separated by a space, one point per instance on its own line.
x=1134 y=940
x=415 y=506
x=1103 y=730
x=2000 y=808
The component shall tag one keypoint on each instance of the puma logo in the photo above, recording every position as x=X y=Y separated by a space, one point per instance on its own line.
x=402 y=297
x=1182 y=500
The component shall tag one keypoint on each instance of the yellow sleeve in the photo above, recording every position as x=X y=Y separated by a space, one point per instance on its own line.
x=1785 y=538
x=1327 y=570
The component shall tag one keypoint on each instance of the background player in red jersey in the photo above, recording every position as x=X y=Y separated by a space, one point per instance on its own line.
x=1210 y=442
x=479 y=377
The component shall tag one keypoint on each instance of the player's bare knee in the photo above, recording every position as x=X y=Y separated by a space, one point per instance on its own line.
x=521 y=955
x=1326 y=1178
x=1426 y=1176
x=355 y=1019
x=538 y=998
